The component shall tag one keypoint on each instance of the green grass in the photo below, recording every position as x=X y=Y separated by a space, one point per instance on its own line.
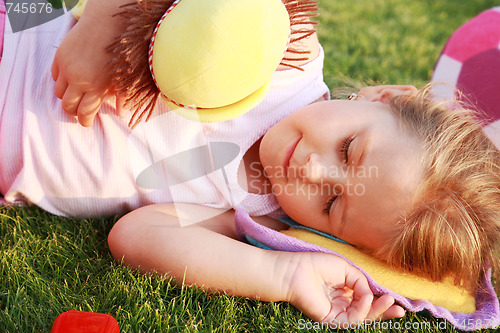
x=389 y=41
x=49 y=264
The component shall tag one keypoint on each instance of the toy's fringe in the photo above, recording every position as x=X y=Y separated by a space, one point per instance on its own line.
x=129 y=65
x=300 y=12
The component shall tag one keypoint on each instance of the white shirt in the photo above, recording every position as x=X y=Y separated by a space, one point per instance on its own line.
x=48 y=159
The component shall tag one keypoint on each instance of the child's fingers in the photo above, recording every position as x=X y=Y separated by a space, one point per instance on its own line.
x=353 y=312
x=384 y=93
x=384 y=308
x=355 y=280
x=60 y=87
x=379 y=306
x=71 y=100
x=362 y=297
x=54 y=70
x=341 y=299
x=359 y=309
x=394 y=311
x=88 y=108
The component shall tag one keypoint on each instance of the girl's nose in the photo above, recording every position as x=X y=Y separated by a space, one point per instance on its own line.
x=318 y=171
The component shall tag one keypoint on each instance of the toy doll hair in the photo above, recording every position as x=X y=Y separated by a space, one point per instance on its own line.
x=129 y=67
x=453 y=227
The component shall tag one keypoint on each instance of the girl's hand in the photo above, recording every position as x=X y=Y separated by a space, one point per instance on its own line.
x=327 y=289
x=79 y=66
x=79 y=72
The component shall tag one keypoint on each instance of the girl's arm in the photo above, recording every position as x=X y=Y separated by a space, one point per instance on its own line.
x=207 y=254
x=79 y=66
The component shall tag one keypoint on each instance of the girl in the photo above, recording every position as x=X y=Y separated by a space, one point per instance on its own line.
x=432 y=208
x=50 y=160
x=306 y=145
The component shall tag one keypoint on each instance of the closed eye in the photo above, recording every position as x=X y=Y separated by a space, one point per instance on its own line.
x=329 y=204
x=344 y=148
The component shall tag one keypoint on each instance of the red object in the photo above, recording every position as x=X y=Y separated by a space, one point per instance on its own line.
x=84 y=322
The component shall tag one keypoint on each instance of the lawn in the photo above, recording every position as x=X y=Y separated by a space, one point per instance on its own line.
x=50 y=264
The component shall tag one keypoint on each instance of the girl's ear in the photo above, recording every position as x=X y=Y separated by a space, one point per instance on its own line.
x=384 y=93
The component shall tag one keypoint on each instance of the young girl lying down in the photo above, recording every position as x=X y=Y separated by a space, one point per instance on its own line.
x=401 y=177
x=408 y=181
x=50 y=160
x=411 y=181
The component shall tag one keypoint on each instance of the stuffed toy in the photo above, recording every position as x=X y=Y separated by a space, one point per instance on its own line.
x=210 y=60
x=77 y=9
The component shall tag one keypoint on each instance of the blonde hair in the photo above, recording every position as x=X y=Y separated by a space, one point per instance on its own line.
x=452 y=228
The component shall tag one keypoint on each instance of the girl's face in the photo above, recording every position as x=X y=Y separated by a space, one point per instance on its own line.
x=344 y=168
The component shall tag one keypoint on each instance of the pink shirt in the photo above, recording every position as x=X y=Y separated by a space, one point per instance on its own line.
x=2 y=24
x=48 y=159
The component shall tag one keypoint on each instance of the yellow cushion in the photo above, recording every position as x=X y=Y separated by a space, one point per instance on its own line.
x=444 y=294
x=215 y=53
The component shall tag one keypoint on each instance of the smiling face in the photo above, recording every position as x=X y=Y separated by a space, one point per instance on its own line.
x=343 y=167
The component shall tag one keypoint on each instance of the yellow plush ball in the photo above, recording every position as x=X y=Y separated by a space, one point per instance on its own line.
x=77 y=10
x=219 y=55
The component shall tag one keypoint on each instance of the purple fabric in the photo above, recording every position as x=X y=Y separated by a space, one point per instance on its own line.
x=487 y=313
